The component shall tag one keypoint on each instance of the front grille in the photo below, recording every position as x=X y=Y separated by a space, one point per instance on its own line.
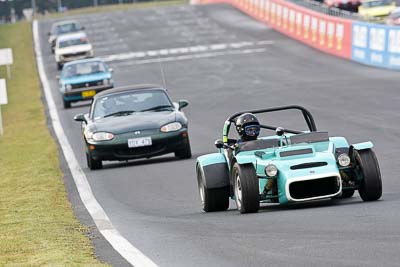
x=308 y=165
x=314 y=188
x=296 y=152
x=87 y=84
x=75 y=54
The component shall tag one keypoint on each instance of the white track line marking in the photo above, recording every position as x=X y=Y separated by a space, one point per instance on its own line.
x=192 y=56
x=103 y=223
x=184 y=50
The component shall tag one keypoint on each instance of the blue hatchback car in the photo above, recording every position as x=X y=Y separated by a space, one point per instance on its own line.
x=82 y=79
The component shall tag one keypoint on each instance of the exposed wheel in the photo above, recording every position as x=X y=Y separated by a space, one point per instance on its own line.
x=92 y=163
x=66 y=103
x=246 y=188
x=184 y=153
x=216 y=199
x=370 y=187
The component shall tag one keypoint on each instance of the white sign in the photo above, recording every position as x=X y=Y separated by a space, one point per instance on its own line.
x=6 y=57
x=360 y=36
x=28 y=13
x=3 y=101
x=377 y=39
x=3 y=92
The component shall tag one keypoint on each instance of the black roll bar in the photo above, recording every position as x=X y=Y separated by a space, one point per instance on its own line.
x=306 y=114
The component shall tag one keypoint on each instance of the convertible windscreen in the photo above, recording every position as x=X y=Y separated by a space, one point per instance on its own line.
x=120 y=104
x=84 y=69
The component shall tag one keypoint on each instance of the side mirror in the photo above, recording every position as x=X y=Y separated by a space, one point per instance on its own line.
x=219 y=143
x=182 y=104
x=110 y=70
x=80 y=117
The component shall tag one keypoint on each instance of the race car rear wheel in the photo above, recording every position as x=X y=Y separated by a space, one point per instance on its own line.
x=92 y=163
x=246 y=188
x=370 y=187
x=216 y=199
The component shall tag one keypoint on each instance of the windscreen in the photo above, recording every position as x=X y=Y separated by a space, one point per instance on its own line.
x=72 y=42
x=67 y=28
x=131 y=102
x=86 y=68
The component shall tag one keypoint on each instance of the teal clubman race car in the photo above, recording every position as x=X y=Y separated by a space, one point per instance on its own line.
x=289 y=166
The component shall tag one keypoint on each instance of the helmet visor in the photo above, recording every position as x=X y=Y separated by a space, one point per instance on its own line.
x=252 y=130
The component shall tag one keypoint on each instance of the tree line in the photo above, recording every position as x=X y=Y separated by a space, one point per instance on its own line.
x=8 y=7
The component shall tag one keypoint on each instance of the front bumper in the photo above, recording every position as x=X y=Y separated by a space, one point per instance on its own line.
x=117 y=149
x=85 y=93
x=72 y=57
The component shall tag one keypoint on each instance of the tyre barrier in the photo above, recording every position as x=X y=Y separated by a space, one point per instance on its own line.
x=366 y=43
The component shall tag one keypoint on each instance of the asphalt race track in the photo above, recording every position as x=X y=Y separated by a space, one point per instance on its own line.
x=223 y=61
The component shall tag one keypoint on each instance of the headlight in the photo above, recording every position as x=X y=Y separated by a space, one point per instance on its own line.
x=106 y=81
x=344 y=160
x=102 y=136
x=68 y=87
x=271 y=170
x=88 y=135
x=171 y=127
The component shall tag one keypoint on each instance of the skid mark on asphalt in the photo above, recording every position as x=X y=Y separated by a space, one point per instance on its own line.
x=191 y=51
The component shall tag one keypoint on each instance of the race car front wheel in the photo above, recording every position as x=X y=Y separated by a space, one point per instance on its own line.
x=246 y=188
x=370 y=187
x=215 y=199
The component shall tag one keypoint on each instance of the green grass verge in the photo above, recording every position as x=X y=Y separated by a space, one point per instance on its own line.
x=108 y=8
x=37 y=224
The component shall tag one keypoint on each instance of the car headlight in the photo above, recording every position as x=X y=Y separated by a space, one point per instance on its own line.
x=106 y=81
x=171 y=127
x=102 y=136
x=68 y=87
x=344 y=160
x=271 y=170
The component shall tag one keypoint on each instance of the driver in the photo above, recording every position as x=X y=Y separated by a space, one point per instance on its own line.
x=248 y=127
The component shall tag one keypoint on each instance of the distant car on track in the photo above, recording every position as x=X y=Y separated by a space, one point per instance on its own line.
x=350 y=5
x=376 y=9
x=394 y=18
x=70 y=47
x=289 y=167
x=82 y=79
x=134 y=122
x=60 y=28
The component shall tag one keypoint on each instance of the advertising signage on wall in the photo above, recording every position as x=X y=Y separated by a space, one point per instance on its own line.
x=367 y=43
x=377 y=45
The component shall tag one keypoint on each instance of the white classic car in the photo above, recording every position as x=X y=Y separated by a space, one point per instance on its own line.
x=70 y=47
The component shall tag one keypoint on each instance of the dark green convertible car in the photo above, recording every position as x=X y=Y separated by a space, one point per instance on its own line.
x=134 y=122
